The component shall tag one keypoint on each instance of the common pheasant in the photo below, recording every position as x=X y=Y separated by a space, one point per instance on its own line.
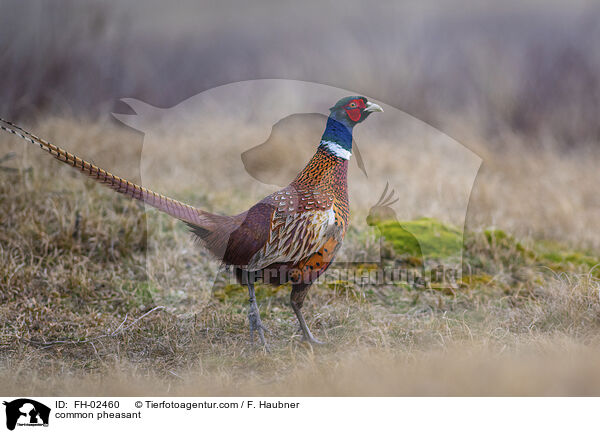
x=291 y=235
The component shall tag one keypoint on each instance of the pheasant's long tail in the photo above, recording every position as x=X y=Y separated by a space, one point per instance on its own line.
x=182 y=211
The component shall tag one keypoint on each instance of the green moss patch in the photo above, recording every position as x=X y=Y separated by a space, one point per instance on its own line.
x=502 y=253
x=423 y=237
x=237 y=292
x=560 y=258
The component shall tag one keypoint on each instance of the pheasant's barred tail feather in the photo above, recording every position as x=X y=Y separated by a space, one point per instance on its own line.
x=172 y=207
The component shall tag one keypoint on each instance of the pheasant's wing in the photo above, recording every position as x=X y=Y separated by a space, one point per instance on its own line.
x=285 y=227
x=294 y=237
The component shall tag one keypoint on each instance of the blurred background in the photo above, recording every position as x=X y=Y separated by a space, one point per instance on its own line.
x=531 y=68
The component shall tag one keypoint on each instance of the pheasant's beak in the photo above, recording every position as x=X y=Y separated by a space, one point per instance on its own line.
x=373 y=107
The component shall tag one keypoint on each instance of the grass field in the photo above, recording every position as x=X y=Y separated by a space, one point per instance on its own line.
x=88 y=305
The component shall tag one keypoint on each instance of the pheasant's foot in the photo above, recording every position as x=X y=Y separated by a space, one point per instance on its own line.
x=306 y=334
x=256 y=325
x=312 y=340
x=309 y=338
x=254 y=316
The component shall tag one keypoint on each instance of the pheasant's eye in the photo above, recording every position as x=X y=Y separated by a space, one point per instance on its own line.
x=352 y=105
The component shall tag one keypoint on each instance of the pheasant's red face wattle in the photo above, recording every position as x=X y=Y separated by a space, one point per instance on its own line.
x=354 y=109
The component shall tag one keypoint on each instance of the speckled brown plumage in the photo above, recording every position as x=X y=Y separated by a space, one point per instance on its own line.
x=291 y=225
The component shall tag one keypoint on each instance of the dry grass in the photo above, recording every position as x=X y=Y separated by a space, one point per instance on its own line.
x=514 y=328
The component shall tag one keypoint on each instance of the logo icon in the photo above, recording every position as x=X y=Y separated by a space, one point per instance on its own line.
x=26 y=412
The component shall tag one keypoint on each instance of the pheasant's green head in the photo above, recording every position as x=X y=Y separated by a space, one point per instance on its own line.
x=345 y=114
x=353 y=109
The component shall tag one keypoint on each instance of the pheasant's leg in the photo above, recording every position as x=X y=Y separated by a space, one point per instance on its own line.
x=299 y=292
x=254 y=316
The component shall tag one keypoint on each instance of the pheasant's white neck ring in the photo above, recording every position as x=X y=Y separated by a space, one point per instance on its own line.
x=336 y=149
